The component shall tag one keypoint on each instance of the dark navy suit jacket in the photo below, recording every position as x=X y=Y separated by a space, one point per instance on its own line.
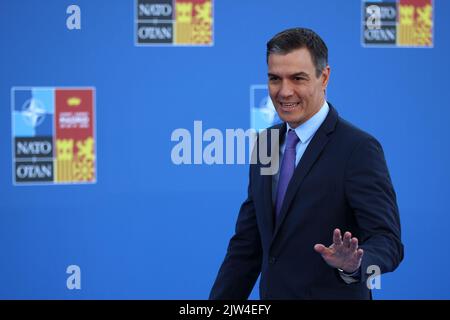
x=341 y=181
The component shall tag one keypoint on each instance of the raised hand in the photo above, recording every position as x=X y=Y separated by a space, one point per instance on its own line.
x=343 y=253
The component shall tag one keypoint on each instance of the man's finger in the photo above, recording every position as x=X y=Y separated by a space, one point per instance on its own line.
x=347 y=237
x=337 y=238
x=354 y=244
x=359 y=254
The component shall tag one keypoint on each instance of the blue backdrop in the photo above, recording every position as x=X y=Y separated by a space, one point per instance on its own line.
x=149 y=229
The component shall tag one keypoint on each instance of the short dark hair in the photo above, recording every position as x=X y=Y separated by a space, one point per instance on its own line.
x=296 y=38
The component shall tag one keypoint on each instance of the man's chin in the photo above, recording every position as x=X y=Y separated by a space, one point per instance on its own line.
x=293 y=121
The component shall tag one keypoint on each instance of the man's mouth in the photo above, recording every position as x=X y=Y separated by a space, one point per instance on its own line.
x=288 y=105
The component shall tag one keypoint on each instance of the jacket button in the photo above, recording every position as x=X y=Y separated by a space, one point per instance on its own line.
x=272 y=260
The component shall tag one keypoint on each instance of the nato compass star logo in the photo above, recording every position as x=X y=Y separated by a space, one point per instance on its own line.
x=33 y=112
x=267 y=110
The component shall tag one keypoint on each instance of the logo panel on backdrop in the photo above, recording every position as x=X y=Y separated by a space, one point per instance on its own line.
x=262 y=111
x=53 y=135
x=174 y=22
x=402 y=23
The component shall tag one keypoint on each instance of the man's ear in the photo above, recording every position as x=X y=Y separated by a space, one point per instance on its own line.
x=325 y=77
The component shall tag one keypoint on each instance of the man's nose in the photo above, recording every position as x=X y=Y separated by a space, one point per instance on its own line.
x=286 y=89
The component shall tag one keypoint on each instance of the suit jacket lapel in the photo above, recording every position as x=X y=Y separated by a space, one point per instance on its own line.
x=308 y=159
x=267 y=179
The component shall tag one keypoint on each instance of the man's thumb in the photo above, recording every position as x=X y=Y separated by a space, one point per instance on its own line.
x=320 y=248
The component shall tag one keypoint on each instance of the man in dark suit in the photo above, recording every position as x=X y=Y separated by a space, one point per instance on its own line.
x=333 y=177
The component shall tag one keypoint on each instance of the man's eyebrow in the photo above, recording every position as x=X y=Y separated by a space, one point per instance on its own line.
x=303 y=74
x=297 y=74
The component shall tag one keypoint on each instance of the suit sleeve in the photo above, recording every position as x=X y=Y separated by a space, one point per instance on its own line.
x=372 y=197
x=242 y=264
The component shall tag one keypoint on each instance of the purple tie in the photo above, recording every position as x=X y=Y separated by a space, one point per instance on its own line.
x=287 y=168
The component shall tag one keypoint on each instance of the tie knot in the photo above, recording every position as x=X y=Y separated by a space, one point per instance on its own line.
x=292 y=139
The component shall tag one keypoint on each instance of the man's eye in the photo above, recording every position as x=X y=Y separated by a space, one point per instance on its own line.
x=273 y=79
x=299 y=78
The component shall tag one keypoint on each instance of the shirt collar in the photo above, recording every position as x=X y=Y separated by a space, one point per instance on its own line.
x=306 y=130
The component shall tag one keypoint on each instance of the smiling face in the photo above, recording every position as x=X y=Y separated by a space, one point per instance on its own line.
x=296 y=92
